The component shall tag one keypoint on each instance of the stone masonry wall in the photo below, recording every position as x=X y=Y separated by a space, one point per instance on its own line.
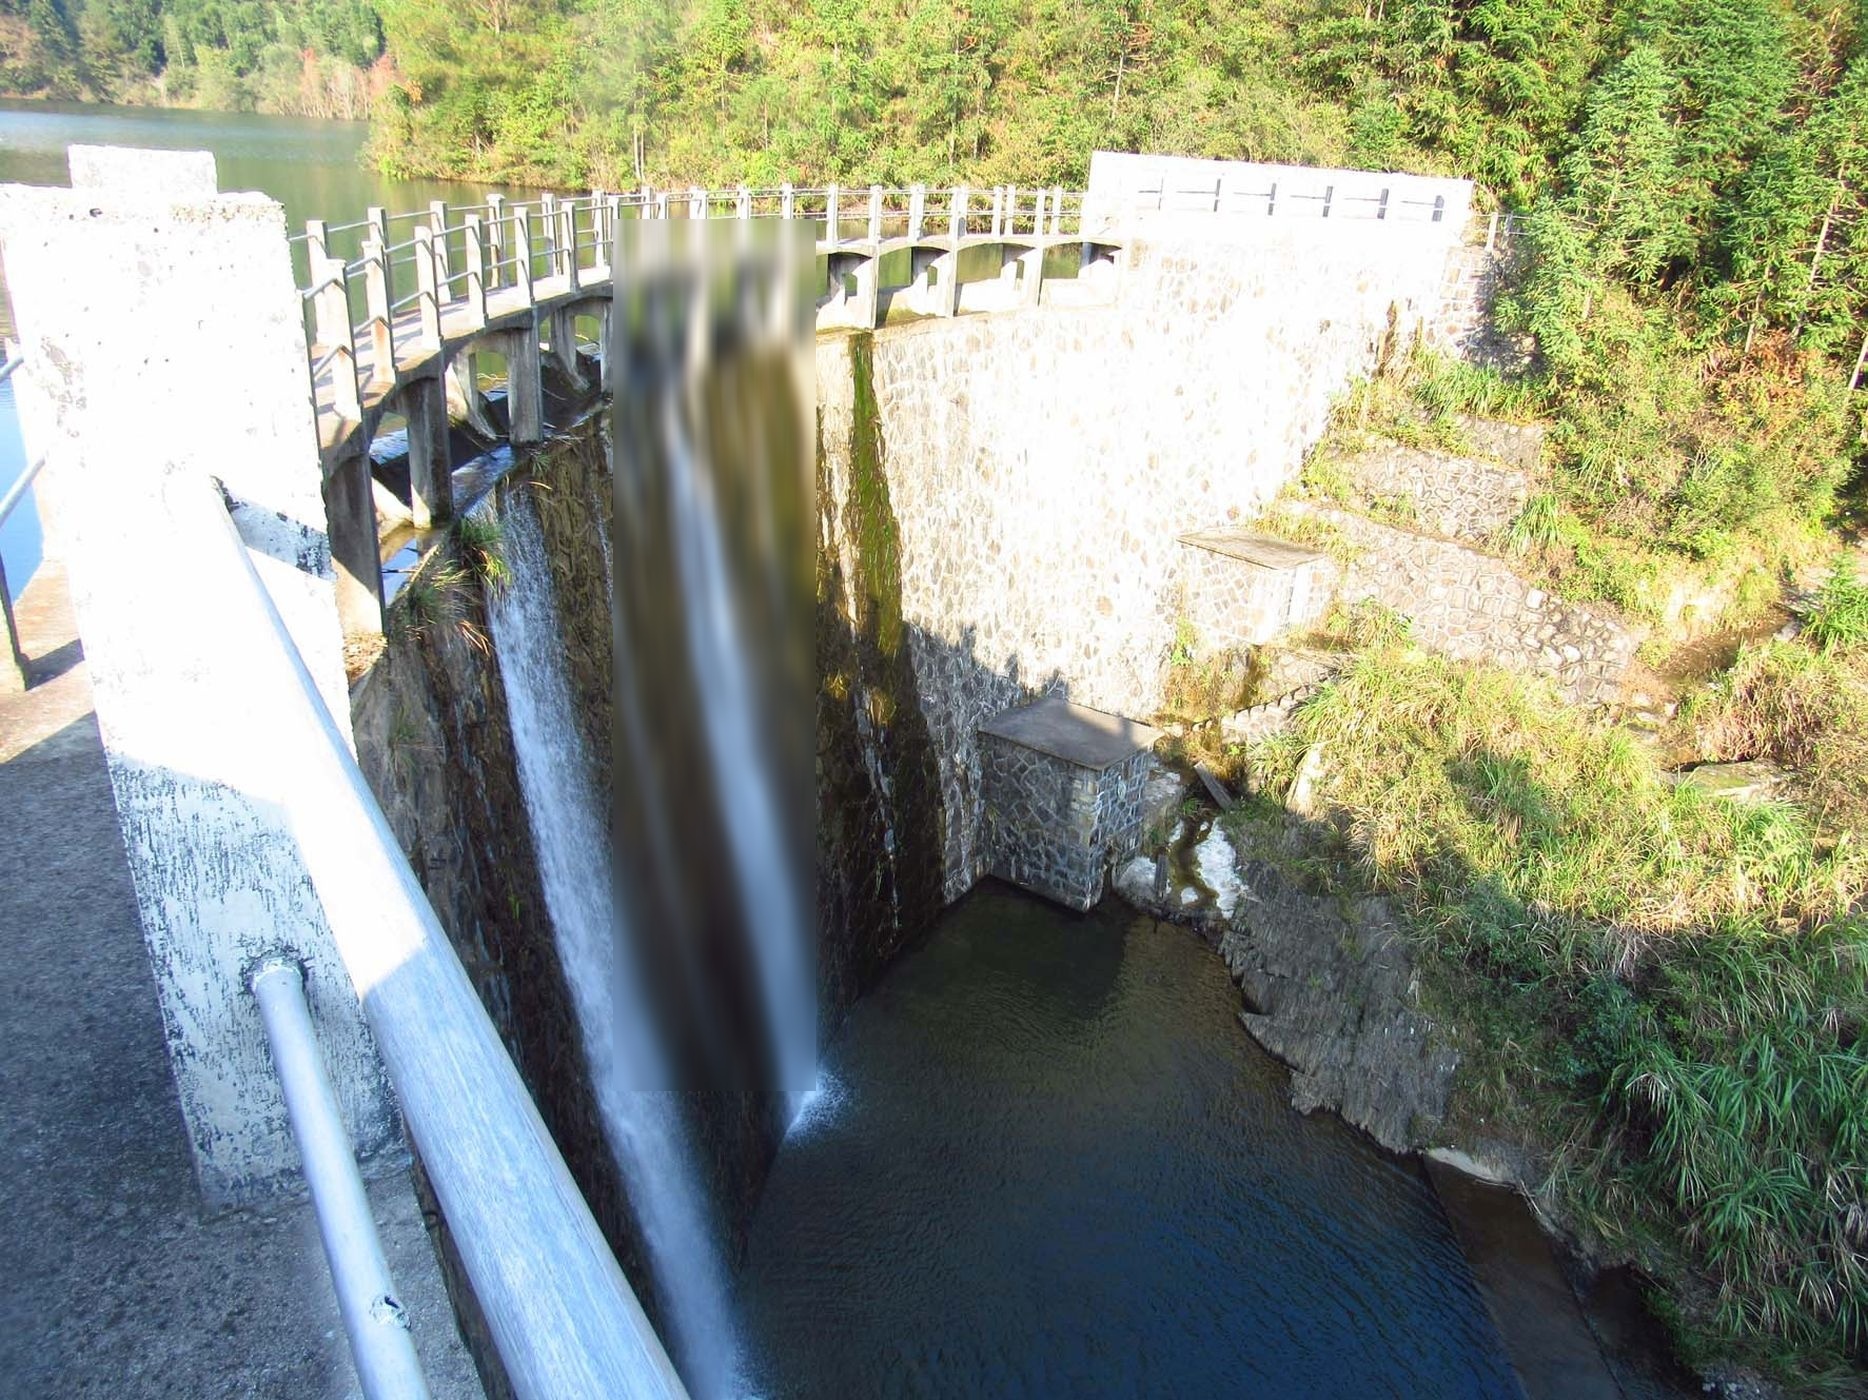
x=1471 y=606
x=1054 y=826
x=1233 y=604
x=1454 y=497
x=1042 y=465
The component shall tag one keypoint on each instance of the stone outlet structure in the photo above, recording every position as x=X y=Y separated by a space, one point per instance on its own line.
x=1064 y=789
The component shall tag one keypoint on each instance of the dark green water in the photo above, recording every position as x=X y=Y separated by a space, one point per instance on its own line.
x=1048 y=1160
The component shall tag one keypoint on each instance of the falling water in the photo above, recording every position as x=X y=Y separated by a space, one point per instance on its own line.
x=744 y=773
x=643 y=1126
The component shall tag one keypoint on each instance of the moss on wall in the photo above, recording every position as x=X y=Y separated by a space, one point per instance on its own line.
x=879 y=800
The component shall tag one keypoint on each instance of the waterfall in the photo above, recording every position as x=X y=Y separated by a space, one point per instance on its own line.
x=599 y=958
x=744 y=772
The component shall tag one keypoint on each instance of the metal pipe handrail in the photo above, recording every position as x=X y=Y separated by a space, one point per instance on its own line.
x=374 y=1321
x=561 y=1314
x=21 y=484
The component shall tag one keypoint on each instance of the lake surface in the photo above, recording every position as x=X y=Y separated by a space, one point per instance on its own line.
x=313 y=168
x=1048 y=1160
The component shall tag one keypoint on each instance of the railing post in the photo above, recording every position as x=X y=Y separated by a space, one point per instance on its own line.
x=661 y=204
x=956 y=213
x=1057 y=209
x=697 y=202
x=475 y=254
x=428 y=303
x=317 y=240
x=1381 y=208
x=784 y=201
x=438 y=225
x=743 y=205
x=998 y=210
x=376 y=301
x=548 y=231
x=568 y=213
x=917 y=210
x=1271 y=200
x=1439 y=207
x=1491 y=232
x=1329 y=197
x=832 y=216
x=495 y=241
x=334 y=309
x=522 y=253
x=875 y=213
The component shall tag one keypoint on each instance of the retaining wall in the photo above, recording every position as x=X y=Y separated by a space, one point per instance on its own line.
x=1042 y=465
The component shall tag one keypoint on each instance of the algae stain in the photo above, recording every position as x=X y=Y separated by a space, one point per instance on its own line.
x=870 y=513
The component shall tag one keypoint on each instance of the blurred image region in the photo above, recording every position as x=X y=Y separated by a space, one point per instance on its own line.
x=714 y=524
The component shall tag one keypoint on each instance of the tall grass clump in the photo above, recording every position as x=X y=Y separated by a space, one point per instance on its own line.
x=482 y=550
x=1674 y=978
x=1803 y=708
x=1838 y=619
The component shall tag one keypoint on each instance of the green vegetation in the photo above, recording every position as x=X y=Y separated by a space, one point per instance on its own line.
x=480 y=543
x=305 y=57
x=1667 y=985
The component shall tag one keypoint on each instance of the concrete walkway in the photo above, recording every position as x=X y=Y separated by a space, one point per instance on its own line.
x=115 y=1283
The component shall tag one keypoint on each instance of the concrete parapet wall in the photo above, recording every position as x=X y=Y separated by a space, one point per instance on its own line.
x=164 y=354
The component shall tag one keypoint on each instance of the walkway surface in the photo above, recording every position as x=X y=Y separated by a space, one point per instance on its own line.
x=115 y=1281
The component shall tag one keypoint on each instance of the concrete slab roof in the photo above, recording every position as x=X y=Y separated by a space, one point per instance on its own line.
x=1266 y=551
x=1088 y=738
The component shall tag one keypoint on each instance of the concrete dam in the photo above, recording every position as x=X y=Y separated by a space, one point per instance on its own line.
x=603 y=652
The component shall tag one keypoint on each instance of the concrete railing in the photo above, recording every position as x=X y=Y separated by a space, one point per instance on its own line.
x=390 y=292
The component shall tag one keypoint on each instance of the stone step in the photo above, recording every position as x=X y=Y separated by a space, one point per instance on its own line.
x=1437 y=493
x=1244 y=588
x=1472 y=606
x=1516 y=445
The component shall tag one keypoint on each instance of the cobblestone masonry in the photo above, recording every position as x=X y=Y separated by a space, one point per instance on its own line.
x=1043 y=464
x=1470 y=605
x=1233 y=602
x=1456 y=498
x=1056 y=827
x=1461 y=320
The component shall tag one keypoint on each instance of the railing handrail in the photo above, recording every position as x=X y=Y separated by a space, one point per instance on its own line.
x=562 y=1316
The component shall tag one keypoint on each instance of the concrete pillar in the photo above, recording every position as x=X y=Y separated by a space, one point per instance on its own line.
x=944 y=297
x=431 y=478
x=562 y=328
x=165 y=347
x=525 y=388
x=865 y=305
x=1030 y=276
x=465 y=401
x=356 y=548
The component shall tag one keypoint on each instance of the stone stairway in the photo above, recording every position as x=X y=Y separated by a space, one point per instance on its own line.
x=1419 y=532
